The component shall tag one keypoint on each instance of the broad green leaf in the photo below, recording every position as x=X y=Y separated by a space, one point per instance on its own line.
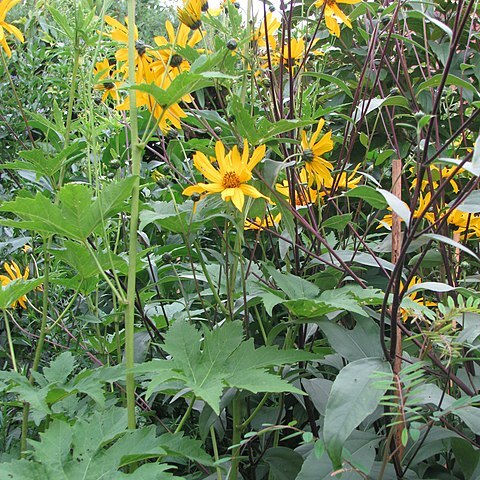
x=369 y=194
x=432 y=286
x=292 y=285
x=284 y=463
x=360 y=342
x=225 y=360
x=451 y=80
x=76 y=215
x=332 y=80
x=397 y=205
x=182 y=85
x=353 y=397
x=449 y=241
x=60 y=368
x=472 y=203
x=337 y=222
x=476 y=154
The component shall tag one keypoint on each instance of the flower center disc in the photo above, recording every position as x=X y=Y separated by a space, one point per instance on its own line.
x=231 y=180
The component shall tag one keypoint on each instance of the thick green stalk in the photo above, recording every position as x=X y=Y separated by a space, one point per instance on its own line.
x=236 y=437
x=185 y=416
x=215 y=452
x=9 y=340
x=136 y=155
x=40 y=343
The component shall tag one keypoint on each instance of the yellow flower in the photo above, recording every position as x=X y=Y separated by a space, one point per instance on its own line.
x=103 y=72
x=333 y=15
x=466 y=222
x=318 y=169
x=190 y=14
x=14 y=274
x=169 y=59
x=142 y=58
x=260 y=224
x=304 y=195
x=234 y=170
x=260 y=38
x=344 y=180
x=415 y=298
x=293 y=53
x=165 y=117
x=5 y=6
x=419 y=211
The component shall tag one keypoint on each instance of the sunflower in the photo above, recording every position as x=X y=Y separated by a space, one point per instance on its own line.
x=303 y=195
x=14 y=273
x=191 y=13
x=234 y=170
x=318 y=169
x=5 y=6
x=333 y=15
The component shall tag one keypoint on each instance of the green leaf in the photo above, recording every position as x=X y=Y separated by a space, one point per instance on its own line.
x=60 y=368
x=360 y=342
x=16 y=289
x=369 y=194
x=225 y=361
x=332 y=80
x=476 y=154
x=337 y=222
x=353 y=397
x=451 y=80
x=182 y=85
x=397 y=205
x=76 y=215
x=284 y=463
x=292 y=285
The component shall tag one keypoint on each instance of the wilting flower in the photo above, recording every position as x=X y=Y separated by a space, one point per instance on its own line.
x=14 y=273
x=261 y=223
x=234 y=170
x=190 y=14
x=105 y=82
x=5 y=6
x=318 y=169
x=333 y=15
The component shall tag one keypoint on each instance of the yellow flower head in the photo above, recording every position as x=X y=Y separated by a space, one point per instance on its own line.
x=318 y=169
x=234 y=170
x=305 y=194
x=333 y=15
x=168 y=59
x=105 y=82
x=5 y=6
x=119 y=33
x=268 y=221
x=261 y=34
x=14 y=273
x=190 y=14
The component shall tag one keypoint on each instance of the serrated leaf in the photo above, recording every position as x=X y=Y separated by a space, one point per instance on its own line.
x=225 y=360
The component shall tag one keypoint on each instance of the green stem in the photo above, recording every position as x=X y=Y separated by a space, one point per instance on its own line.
x=40 y=343
x=215 y=452
x=136 y=155
x=9 y=340
x=185 y=416
x=236 y=437
x=71 y=100
x=254 y=413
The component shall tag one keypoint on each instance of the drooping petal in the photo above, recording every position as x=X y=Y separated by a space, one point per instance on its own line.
x=238 y=199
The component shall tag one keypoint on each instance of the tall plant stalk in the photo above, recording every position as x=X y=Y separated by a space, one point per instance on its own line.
x=136 y=155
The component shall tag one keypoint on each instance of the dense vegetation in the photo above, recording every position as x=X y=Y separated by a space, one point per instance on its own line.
x=240 y=242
